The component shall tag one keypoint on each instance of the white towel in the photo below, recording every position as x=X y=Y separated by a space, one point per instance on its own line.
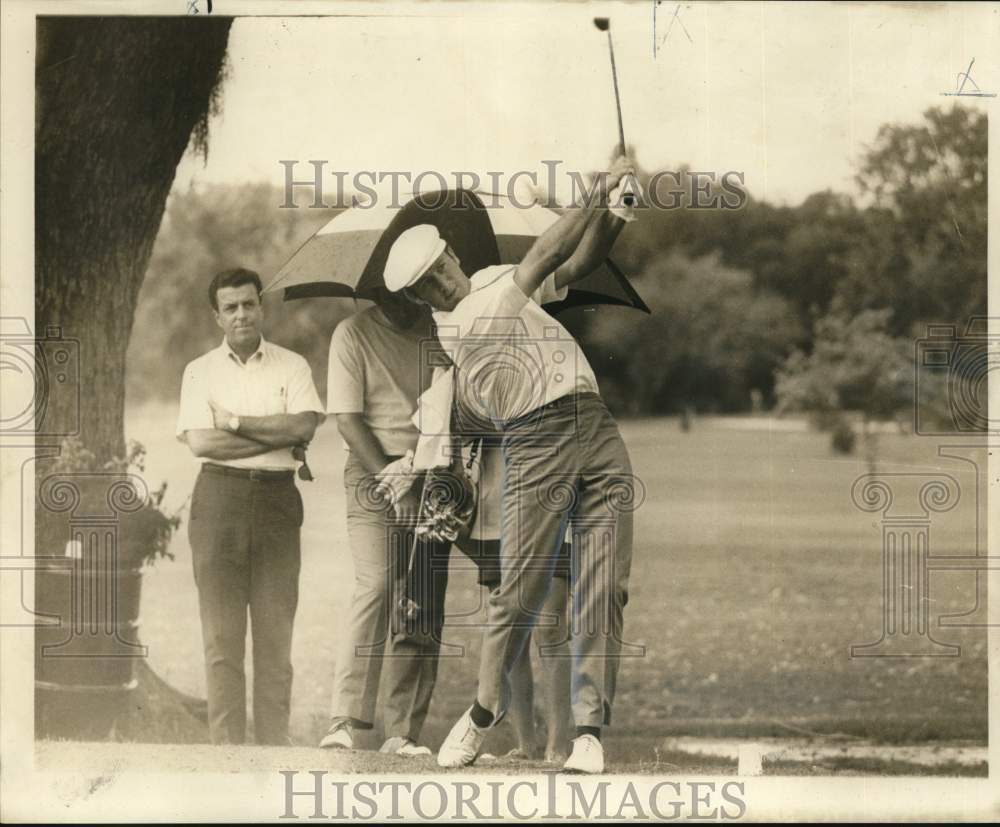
x=433 y=420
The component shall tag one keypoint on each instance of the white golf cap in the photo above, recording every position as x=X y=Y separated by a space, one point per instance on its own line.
x=411 y=254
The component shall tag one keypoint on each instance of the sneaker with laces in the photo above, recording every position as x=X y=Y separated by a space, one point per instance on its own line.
x=587 y=756
x=462 y=746
x=406 y=747
x=340 y=735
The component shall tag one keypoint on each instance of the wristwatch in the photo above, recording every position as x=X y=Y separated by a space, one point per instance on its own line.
x=234 y=423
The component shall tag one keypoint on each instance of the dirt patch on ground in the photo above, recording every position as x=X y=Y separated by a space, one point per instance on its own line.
x=109 y=758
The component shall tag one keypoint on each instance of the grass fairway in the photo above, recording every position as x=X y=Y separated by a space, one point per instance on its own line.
x=753 y=574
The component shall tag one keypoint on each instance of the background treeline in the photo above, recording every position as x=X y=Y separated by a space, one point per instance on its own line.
x=813 y=307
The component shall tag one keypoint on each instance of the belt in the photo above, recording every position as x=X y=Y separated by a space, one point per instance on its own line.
x=567 y=400
x=257 y=474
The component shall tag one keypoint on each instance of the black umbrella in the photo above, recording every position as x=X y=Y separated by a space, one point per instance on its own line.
x=346 y=256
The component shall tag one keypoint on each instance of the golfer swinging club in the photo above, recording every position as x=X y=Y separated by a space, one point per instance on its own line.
x=564 y=459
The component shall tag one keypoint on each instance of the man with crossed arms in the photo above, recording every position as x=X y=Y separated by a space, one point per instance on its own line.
x=244 y=406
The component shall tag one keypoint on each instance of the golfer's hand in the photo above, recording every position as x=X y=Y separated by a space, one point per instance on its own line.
x=622 y=199
x=621 y=167
x=220 y=416
x=396 y=479
x=407 y=508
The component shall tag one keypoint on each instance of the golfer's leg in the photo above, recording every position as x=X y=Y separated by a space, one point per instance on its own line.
x=219 y=533
x=419 y=700
x=521 y=711
x=359 y=660
x=409 y=666
x=602 y=556
x=275 y=561
x=532 y=526
x=438 y=579
x=555 y=668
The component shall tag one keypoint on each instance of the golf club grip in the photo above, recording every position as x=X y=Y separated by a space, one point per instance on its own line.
x=629 y=199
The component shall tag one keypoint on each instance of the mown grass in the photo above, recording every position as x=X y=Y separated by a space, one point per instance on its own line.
x=753 y=574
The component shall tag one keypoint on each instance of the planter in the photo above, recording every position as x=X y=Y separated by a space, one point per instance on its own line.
x=85 y=656
x=86 y=636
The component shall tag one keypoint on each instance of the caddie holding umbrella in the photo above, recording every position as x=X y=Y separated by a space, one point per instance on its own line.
x=564 y=459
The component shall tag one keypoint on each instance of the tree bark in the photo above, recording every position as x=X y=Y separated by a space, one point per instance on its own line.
x=117 y=100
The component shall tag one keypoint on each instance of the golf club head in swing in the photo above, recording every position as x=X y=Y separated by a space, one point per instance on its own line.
x=604 y=24
x=408 y=609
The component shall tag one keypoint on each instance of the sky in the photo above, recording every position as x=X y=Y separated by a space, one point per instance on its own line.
x=788 y=94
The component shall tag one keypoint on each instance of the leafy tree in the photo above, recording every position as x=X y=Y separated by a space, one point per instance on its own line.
x=105 y=157
x=118 y=100
x=815 y=253
x=206 y=230
x=712 y=339
x=855 y=365
x=924 y=250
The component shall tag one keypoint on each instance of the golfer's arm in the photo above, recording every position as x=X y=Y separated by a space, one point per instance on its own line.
x=598 y=239
x=280 y=430
x=214 y=443
x=362 y=442
x=553 y=248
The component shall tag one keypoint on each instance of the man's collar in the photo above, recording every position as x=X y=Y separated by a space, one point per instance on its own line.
x=477 y=281
x=260 y=353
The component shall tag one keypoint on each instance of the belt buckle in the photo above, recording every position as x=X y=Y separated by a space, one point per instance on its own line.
x=256 y=475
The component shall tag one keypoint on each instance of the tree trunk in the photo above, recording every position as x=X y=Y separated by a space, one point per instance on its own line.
x=871 y=445
x=117 y=100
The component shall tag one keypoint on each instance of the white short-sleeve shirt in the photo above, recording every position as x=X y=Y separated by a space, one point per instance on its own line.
x=374 y=370
x=274 y=380
x=511 y=357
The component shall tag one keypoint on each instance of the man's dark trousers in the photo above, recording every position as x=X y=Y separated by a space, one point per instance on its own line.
x=244 y=532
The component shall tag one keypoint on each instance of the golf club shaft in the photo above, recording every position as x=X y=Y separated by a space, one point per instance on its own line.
x=618 y=102
x=629 y=200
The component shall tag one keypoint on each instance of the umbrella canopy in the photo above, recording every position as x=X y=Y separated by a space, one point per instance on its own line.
x=346 y=256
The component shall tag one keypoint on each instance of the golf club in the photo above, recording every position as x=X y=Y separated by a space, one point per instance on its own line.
x=604 y=24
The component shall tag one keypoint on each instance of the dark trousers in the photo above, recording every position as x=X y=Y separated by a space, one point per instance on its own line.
x=374 y=633
x=244 y=536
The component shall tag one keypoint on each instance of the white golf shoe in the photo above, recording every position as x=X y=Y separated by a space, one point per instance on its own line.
x=587 y=756
x=404 y=747
x=462 y=746
x=340 y=735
